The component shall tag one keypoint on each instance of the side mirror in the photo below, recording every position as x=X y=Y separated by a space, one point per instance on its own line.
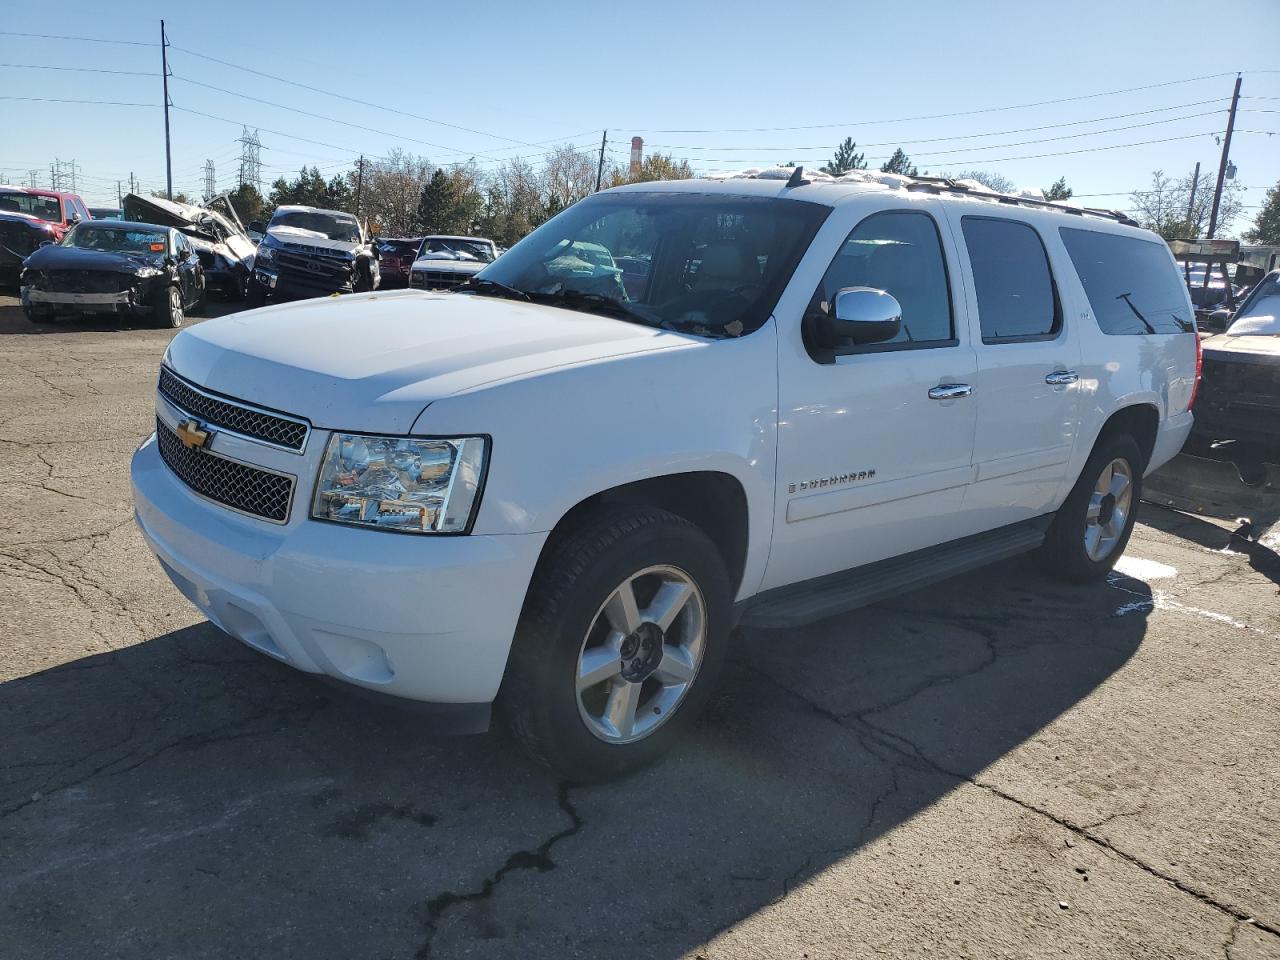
x=75 y=218
x=865 y=315
x=1217 y=321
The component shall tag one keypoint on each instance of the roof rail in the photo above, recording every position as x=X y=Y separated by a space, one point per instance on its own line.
x=948 y=185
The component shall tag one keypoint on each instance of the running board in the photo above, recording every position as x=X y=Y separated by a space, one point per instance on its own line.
x=801 y=603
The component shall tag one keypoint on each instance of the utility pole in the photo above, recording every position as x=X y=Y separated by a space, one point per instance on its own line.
x=1191 y=204
x=31 y=178
x=133 y=183
x=168 y=155
x=359 y=183
x=604 y=138
x=55 y=175
x=119 y=196
x=1222 y=164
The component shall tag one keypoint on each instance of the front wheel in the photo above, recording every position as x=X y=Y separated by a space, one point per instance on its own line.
x=1093 y=525
x=169 y=309
x=620 y=644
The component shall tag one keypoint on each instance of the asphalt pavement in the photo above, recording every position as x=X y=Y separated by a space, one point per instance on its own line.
x=997 y=766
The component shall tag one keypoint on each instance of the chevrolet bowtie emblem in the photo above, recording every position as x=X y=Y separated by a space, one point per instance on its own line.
x=192 y=437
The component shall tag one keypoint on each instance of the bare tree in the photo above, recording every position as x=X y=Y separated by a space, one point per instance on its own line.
x=391 y=190
x=994 y=181
x=1164 y=205
x=568 y=175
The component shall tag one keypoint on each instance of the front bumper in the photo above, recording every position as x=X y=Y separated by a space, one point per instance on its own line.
x=123 y=301
x=295 y=283
x=419 y=617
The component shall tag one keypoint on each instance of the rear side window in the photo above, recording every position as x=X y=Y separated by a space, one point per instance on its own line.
x=1132 y=284
x=898 y=252
x=1016 y=296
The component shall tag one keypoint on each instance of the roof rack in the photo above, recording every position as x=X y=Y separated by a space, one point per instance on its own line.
x=947 y=185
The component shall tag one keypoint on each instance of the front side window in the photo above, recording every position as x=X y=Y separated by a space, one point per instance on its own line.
x=709 y=264
x=1132 y=284
x=900 y=253
x=1011 y=279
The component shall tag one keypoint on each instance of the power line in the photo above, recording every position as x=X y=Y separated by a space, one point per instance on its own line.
x=41 y=66
x=349 y=99
x=98 y=103
x=57 y=36
x=968 y=136
x=942 y=116
x=991 y=146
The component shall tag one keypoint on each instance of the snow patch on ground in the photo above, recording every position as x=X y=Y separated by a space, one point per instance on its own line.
x=1141 y=569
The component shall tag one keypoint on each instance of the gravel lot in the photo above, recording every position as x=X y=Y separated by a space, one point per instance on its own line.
x=999 y=766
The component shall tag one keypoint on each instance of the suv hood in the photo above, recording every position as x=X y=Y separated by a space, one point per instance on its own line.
x=310 y=238
x=57 y=257
x=372 y=362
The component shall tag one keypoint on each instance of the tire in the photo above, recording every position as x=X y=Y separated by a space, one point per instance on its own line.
x=169 y=311
x=364 y=279
x=255 y=295
x=1088 y=534
x=569 y=621
x=37 y=315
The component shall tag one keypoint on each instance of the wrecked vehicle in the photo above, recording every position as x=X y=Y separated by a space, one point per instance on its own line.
x=395 y=260
x=113 y=266
x=1240 y=386
x=309 y=252
x=216 y=234
x=29 y=218
x=446 y=262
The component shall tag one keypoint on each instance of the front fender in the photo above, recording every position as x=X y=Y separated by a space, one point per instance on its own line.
x=565 y=435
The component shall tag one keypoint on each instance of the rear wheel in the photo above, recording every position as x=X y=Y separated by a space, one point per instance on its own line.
x=1092 y=527
x=620 y=644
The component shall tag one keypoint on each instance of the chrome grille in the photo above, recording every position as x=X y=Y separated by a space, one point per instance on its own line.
x=232 y=484
x=229 y=414
x=437 y=279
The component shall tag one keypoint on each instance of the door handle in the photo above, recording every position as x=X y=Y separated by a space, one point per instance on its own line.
x=1060 y=378
x=950 y=391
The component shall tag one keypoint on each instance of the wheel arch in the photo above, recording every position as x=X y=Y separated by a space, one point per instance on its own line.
x=713 y=501
x=1140 y=420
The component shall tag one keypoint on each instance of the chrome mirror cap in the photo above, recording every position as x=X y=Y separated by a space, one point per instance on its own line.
x=867 y=315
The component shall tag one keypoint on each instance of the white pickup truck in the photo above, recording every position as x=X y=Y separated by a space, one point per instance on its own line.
x=558 y=492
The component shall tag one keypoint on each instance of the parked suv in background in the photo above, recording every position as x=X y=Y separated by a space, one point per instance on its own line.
x=308 y=252
x=29 y=218
x=559 y=494
x=445 y=262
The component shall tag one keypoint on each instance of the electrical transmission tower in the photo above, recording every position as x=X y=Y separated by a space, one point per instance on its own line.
x=62 y=175
x=31 y=178
x=250 y=160
x=210 y=181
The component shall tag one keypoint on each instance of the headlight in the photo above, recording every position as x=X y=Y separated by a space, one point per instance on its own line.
x=408 y=484
x=265 y=253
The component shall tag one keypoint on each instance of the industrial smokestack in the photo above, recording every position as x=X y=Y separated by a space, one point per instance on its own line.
x=637 y=155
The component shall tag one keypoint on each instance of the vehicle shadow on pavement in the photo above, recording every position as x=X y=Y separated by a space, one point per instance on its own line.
x=189 y=797
x=1241 y=537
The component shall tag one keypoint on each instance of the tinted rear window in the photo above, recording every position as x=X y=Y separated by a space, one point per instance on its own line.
x=1132 y=284
x=1016 y=297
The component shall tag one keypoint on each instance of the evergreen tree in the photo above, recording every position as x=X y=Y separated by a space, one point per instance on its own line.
x=846 y=158
x=900 y=163
x=1059 y=190
x=1266 y=229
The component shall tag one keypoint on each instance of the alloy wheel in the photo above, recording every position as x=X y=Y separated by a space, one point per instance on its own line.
x=1108 y=510
x=641 y=654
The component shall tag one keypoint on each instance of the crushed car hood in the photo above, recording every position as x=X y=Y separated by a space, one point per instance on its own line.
x=373 y=362
x=56 y=257
x=310 y=238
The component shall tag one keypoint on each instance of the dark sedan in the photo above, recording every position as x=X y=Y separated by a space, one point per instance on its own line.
x=114 y=266
x=395 y=260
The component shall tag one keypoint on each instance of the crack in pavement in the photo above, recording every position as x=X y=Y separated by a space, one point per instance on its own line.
x=539 y=858
x=909 y=750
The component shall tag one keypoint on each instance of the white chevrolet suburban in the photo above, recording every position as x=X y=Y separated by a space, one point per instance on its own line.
x=557 y=493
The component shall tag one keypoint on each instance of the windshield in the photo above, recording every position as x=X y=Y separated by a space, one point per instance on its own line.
x=46 y=208
x=86 y=236
x=461 y=249
x=708 y=264
x=330 y=226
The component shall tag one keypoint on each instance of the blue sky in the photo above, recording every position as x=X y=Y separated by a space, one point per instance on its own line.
x=523 y=76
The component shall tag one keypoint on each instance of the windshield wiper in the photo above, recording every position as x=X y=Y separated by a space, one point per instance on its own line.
x=484 y=286
x=594 y=301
